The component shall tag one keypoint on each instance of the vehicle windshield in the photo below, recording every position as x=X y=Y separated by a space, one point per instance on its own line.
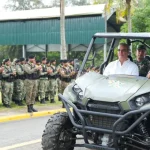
x=98 y=55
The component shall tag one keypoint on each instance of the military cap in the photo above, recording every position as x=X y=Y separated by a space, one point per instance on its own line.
x=17 y=61
x=71 y=60
x=61 y=61
x=48 y=61
x=44 y=58
x=65 y=61
x=22 y=59
x=53 y=60
x=37 y=61
x=31 y=57
x=141 y=47
x=6 y=60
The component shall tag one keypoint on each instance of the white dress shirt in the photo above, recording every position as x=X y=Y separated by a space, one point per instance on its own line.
x=127 y=68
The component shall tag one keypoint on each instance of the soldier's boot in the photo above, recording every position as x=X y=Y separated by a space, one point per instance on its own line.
x=59 y=98
x=7 y=106
x=46 y=99
x=20 y=103
x=52 y=101
x=42 y=101
x=34 y=110
x=15 y=101
x=37 y=99
x=29 y=109
x=63 y=106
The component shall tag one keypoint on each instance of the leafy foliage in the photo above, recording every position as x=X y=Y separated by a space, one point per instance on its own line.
x=24 y=4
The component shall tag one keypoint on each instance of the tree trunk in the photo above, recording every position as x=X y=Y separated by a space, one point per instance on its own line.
x=63 y=50
x=128 y=2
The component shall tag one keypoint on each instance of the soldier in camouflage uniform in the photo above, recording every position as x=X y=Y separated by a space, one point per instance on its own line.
x=31 y=71
x=58 y=81
x=19 y=82
x=71 y=66
x=65 y=75
x=8 y=77
x=38 y=63
x=52 y=82
x=142 y=63
x=43 y=80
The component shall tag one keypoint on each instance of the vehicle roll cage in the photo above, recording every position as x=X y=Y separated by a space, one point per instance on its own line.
x=114 y=36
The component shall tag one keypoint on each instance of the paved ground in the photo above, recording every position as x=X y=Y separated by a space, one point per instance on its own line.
x=24 y=134
x=16 y=110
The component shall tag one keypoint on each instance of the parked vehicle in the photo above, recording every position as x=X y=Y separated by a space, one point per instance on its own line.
x=109 y=112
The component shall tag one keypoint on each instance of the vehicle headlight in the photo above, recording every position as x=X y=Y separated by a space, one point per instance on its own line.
x=80 y=95
x=78 y=91
x=140 y=101
x=76 y=88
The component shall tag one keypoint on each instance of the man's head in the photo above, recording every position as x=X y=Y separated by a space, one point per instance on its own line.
x=53 y=62
x=22 y=60
x=32 y=58
x=38 y=62
x=65 y=63
x=140 y=52
x=44 y=60
x=71 y=61
x=123 y=51
x=7 y=62
x=48 y=63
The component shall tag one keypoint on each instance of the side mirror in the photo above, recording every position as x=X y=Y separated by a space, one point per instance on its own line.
x=76 y=65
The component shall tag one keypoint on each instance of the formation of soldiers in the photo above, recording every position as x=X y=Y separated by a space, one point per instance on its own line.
x=31 y=80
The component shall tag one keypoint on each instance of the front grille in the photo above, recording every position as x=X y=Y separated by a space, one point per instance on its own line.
x=101 y=121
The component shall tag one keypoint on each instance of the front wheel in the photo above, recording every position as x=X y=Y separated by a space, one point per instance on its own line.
x=57 y=134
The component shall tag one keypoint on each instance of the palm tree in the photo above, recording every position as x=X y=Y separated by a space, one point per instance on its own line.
x=63 y=50
x=123 y=9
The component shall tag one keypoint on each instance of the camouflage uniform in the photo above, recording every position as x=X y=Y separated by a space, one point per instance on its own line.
x=65 y=74
x=19 y=82
x=38 y=82
x=43 y=83
x=8 y=77
x=58 y=81
x=31 y=72
x=73 y=76
x=52 y=84
x=144 y=67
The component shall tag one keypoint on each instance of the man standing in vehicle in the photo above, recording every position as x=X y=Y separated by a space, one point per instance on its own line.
x=123 y=65
x=141 y=61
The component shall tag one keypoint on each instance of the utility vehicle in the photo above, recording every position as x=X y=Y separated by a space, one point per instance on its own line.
x=108 y=112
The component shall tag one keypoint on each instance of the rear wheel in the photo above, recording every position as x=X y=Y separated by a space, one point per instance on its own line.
x=57 y=134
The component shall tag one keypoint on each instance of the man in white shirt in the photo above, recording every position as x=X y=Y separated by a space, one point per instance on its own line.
x=123 y=65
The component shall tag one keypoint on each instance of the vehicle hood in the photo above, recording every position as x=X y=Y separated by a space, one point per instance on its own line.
x=112 y=88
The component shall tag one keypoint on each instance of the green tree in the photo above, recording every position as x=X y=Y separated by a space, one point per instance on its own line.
x=56 y=3
x=124 y=9
x=24 y=4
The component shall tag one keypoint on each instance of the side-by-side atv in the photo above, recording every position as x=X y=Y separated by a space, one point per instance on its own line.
x=103 y=112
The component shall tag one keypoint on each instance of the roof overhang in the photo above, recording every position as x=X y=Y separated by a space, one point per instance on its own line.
x=52 y=12
x=144 y=35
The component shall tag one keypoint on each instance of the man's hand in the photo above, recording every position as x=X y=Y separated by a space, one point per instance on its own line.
x=148 y=75
x=1 y=69
x=49 y=71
